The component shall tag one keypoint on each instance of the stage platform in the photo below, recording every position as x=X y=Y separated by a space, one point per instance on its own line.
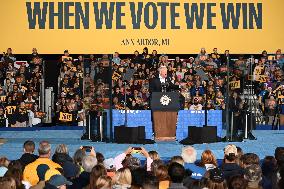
x=12 y=148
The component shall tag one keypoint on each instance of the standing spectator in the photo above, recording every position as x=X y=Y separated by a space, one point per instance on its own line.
x=122 y=179
x=177 y=174
x=237 y=182
x=216 y=179
x=208 y=160
x=189 y=156
x=61 y=155
x=230 y=167
x=253 y=175
x=104 y=182
x=28 y=156
x=88 y=163
x=98 y=171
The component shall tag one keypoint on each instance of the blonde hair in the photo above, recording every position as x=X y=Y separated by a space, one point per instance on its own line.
x=123 y=177
x=154 y=155
x=189 y=154
x=177 y=159
x=208 y=157
x=61 y=149
x=103 y=182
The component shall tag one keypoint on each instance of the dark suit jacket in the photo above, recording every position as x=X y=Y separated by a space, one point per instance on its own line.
x=156 y=86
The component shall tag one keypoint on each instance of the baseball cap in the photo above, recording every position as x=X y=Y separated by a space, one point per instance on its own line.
x=231 y=149
x=109 y=163
x=58 y=180
x=216 y=175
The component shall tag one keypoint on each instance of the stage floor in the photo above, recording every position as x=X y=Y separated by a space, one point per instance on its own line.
x=265 y=144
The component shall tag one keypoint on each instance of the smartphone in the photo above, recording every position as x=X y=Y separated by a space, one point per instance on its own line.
x=136 y=150
x=87 y=148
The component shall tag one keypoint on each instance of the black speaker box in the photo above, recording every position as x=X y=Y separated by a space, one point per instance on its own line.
x=199 y=135
x=130 y=135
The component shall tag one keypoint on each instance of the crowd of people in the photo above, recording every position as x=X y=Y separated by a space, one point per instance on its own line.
x=20 y=90
x=86 y=82
x=88 y=169
x=264 y=74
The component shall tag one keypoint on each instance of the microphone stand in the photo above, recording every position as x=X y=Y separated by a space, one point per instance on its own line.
x=125 y=111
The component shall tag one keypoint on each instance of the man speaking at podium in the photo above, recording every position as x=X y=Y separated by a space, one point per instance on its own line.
x=165 y=105
x=162 y=83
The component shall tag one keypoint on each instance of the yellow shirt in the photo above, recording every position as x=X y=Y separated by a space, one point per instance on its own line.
x=164 y=184
x=30 y=172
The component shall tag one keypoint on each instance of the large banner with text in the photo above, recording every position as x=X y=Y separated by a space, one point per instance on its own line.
x=169 y=26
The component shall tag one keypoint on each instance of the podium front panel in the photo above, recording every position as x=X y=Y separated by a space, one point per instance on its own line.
x=168 y=101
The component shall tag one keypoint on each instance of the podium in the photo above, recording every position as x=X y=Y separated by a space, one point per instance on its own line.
x=165 y=106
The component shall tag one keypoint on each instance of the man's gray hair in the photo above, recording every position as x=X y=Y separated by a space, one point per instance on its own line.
x=44 y=148
x=88 y=163
x=189 y=154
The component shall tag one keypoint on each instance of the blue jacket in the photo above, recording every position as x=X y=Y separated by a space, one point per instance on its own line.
x=197 y=172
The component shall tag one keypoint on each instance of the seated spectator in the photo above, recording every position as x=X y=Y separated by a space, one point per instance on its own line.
x=122 y=179
x=116 y=58
x=196 y=105
x=177 y=174
x=230 y=167
x=28 y=156
x=30 y=172
x=189 y=156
